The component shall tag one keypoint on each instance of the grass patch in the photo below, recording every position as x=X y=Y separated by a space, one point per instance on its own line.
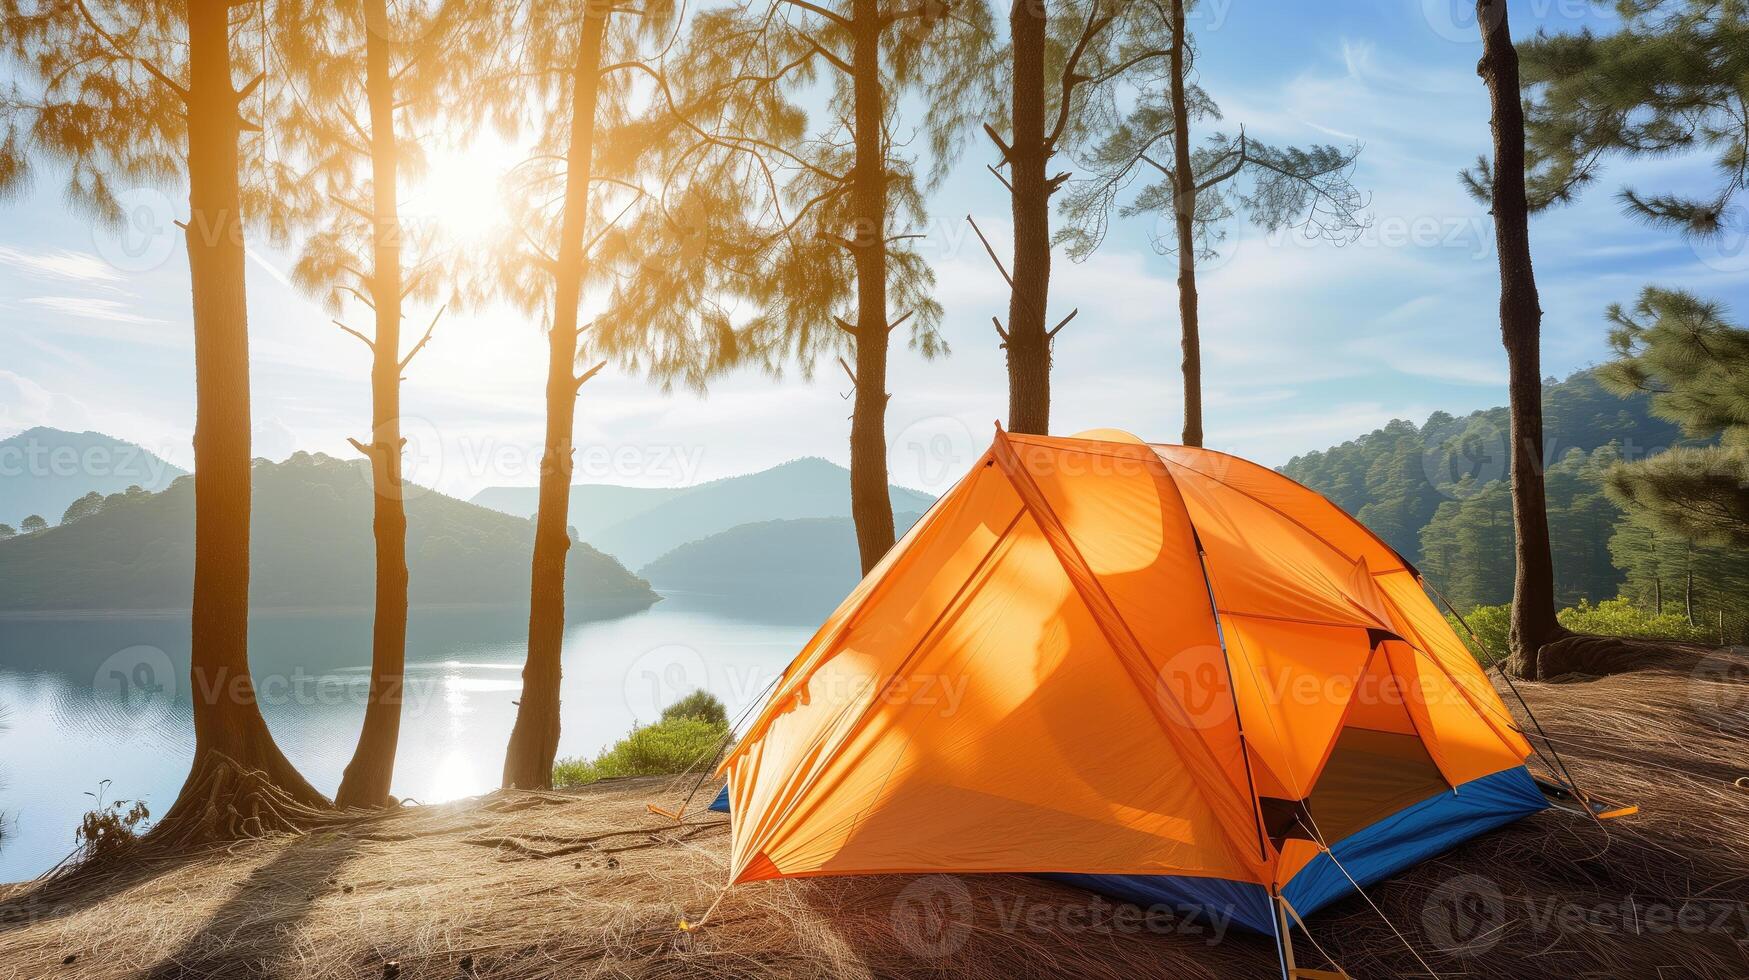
x=687 y=737
x=1620 y=617
x=1611 y=617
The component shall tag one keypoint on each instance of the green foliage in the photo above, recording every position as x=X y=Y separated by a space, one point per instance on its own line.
x=1664 y=570
x=7 y=531
x=1493 y=629
x=85 y=506
x=1620 y=617
x=1125 y=133
x=33 y=524
x=670 y=746
x=1395 y=479
x=109 y=829
x=1696 y=365
x=701 y=705
x=1468 y=545
x=1673 y=78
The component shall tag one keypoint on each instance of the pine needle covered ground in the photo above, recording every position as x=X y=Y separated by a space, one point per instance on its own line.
x=527 y=885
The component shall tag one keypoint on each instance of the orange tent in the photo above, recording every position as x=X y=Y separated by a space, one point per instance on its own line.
x=1177 y=675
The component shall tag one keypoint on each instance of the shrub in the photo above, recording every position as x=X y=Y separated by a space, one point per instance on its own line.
x=670 y=746
x=1620 y=617
x=110 y=828
x=1493 y=625
x=699 y=704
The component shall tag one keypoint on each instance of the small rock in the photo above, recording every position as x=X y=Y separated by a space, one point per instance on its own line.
x=392 y=970
x=346 y=889
x=68 y=959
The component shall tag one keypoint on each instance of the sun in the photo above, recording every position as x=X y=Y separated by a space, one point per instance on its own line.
x=460 y=193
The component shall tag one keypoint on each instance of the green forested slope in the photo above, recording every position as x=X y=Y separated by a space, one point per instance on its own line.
x=312 y=549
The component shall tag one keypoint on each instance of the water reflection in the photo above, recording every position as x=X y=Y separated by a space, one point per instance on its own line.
x=109 y=699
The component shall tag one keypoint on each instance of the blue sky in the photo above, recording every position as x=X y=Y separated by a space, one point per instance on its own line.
x=1306 y=344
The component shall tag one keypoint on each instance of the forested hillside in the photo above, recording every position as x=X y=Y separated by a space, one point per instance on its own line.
x=311 y=549
x=1437 y=493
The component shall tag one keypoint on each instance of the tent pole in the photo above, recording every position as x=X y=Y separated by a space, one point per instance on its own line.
x=1284 y=944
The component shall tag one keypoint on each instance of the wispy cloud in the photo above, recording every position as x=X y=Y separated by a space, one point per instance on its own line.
x=60 y=263
x=92 y=308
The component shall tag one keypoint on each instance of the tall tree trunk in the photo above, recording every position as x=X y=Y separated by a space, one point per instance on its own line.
x=534 y=741
x=1533 y=594
x=228 y=727
x=1184 y=220
x=1029 y=354
x=1657 y=597
x=1688 y=598
x=870 y=504
x=368 y=775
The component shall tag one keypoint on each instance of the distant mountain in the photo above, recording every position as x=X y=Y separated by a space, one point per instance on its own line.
x=44 y=470
x=804 y=566
x=312 y=549
x=639 y=525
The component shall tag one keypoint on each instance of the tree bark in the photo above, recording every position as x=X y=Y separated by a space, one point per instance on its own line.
x=368 y=776
x=1029 y=354
x=870 y=504
x=534 y=740
x=1533 y=594
x=227 y=719
x=1184 y=219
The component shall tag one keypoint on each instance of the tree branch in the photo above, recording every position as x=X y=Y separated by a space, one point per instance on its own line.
x=126 y=55
x=999 y=267
x=592 y=372
x=366 y=341
x=422 y=340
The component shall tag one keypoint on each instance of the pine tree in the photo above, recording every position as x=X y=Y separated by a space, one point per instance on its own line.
x=566 y=77
x=1533 y=595
x=364 y=85
x=809 y=221
x=148 y=92
x=1673 y=78
x=1695 y=364
x=1198 y=189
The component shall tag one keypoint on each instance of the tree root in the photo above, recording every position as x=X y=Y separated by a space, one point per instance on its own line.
x=224 y=802
x=519 y=848
x=1579 y=655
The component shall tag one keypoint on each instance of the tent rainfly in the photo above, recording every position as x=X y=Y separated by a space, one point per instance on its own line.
x=1169 y=674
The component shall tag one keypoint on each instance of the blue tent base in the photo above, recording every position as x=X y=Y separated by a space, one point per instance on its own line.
x=1400 y=841
x=721 y=803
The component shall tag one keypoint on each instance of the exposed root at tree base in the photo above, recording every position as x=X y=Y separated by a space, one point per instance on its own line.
x=224 y=802
x=1581 y=655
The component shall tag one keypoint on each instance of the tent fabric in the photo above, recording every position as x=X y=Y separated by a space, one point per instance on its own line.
x=1100 y=657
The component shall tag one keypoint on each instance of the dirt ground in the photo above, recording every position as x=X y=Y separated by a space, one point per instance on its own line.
x=530 y=885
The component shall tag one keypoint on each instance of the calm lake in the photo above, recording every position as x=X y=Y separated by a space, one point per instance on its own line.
x=107 y=699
